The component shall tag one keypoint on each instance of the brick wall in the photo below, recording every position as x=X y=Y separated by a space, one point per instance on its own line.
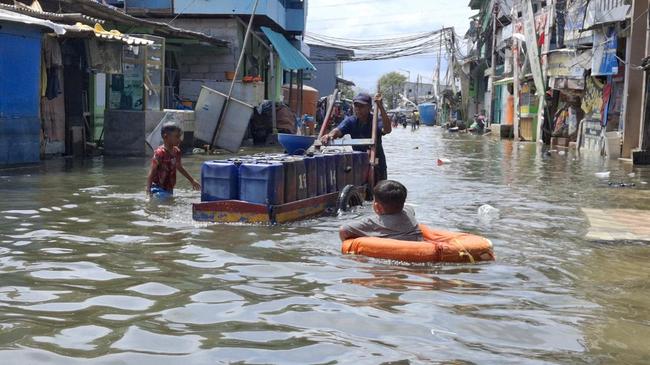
x=210 y=63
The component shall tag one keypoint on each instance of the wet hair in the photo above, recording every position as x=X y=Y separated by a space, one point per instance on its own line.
x=168 y=128
x=391 y=195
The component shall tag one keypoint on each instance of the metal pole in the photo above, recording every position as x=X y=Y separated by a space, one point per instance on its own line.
x=224 y=109
x=493 y=61
x=300 y=89
x=515 y=87
x=290 y=88
x=274 y=118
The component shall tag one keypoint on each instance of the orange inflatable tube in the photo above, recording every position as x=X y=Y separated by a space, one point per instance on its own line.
x=438 y=246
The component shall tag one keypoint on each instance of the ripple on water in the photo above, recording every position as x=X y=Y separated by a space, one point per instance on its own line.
x=123 y=238
x=76 y=338
x=139 y=340
x=21 y=211
x=122 y=302
x=81 y=270
x=215 y=296
x=23 y=294
x=153 y=289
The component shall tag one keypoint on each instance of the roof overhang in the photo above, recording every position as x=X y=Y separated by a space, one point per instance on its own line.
x=109 y=13
x=290 y=57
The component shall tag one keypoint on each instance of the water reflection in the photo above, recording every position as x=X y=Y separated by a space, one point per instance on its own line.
x=94 y=273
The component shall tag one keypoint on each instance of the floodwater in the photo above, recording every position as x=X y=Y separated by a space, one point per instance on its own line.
x=93 y=273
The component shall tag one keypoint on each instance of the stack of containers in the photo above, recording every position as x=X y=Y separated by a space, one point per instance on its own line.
x=278 y=179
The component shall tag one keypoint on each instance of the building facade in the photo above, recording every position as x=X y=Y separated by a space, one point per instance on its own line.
x=329 y=63
x=562 y=71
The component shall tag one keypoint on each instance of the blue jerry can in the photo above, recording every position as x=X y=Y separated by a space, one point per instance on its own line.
x=311 y=165
x=219 y=181
x=262 y=183
x=321 y=169
x=360 y=165
x=331 y=174
x=343 y=170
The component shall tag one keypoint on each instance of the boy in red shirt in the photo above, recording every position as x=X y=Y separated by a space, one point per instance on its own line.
x=166 y=160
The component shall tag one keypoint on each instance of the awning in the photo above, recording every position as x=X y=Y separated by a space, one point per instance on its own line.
x=290 y=57
x=24 y=19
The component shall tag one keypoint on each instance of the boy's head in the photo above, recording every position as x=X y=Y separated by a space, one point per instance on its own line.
x=171 y=133
x=390 y=196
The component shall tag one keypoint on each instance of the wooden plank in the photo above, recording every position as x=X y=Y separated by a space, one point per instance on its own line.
x=618 y=224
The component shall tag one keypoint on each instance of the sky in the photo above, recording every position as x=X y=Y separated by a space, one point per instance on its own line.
x=378 y=19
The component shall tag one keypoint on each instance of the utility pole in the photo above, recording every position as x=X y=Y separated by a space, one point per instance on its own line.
x=489 y=106
x=634 y=79
x=438 y=75
x=515 y=87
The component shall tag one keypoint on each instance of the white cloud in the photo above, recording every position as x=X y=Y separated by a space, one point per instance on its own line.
x=377 y=19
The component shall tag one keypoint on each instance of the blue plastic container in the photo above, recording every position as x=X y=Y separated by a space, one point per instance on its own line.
x=295 y=177
x=262 y=183
x=311 y=165
x=344 y=174
x=294 y=144
x=360 y=166
x=332 y=185
x=219 y=181
x=321 y=164
x=428 y=113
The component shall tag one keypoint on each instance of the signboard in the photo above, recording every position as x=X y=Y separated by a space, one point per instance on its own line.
x=532 y=47
x=568 y=63
x=573 y=28
x=605 y=11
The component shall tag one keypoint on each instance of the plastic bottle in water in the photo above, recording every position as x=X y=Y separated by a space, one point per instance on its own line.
x=487 y=212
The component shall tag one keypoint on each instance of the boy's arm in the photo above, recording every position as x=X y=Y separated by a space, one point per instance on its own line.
x=356 y=229
x=152 y=171
x=195 y=184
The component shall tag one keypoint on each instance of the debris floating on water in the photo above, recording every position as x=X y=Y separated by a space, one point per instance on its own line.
x=442 y=161
x=602 y=175
x=488 y=213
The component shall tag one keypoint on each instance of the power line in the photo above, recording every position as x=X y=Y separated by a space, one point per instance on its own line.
x=345 y=4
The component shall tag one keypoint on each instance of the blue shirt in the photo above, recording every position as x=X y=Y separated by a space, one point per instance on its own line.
x=352 y=125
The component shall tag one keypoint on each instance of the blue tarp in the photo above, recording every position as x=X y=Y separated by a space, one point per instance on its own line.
x=290 y=57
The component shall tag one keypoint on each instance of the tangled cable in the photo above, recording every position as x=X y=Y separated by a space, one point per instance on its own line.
x=443 y=40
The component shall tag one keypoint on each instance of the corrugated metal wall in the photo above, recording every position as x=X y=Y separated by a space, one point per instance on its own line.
x=20 y=75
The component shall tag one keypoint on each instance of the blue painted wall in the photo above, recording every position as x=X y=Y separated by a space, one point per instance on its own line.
x=153 y=5
x=324 y=78
x=20 y=78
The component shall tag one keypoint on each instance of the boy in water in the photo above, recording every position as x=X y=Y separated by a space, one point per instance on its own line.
x=166 y=160
x=393 y=219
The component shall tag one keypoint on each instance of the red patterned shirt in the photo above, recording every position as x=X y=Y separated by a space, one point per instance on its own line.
x=167 y=162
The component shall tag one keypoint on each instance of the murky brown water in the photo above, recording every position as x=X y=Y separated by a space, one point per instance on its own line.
x=92 y=273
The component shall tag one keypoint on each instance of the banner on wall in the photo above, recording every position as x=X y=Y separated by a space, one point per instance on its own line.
x=604 y=61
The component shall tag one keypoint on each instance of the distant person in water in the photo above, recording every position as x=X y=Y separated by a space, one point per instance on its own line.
x=393 y=219
x=165 y=162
